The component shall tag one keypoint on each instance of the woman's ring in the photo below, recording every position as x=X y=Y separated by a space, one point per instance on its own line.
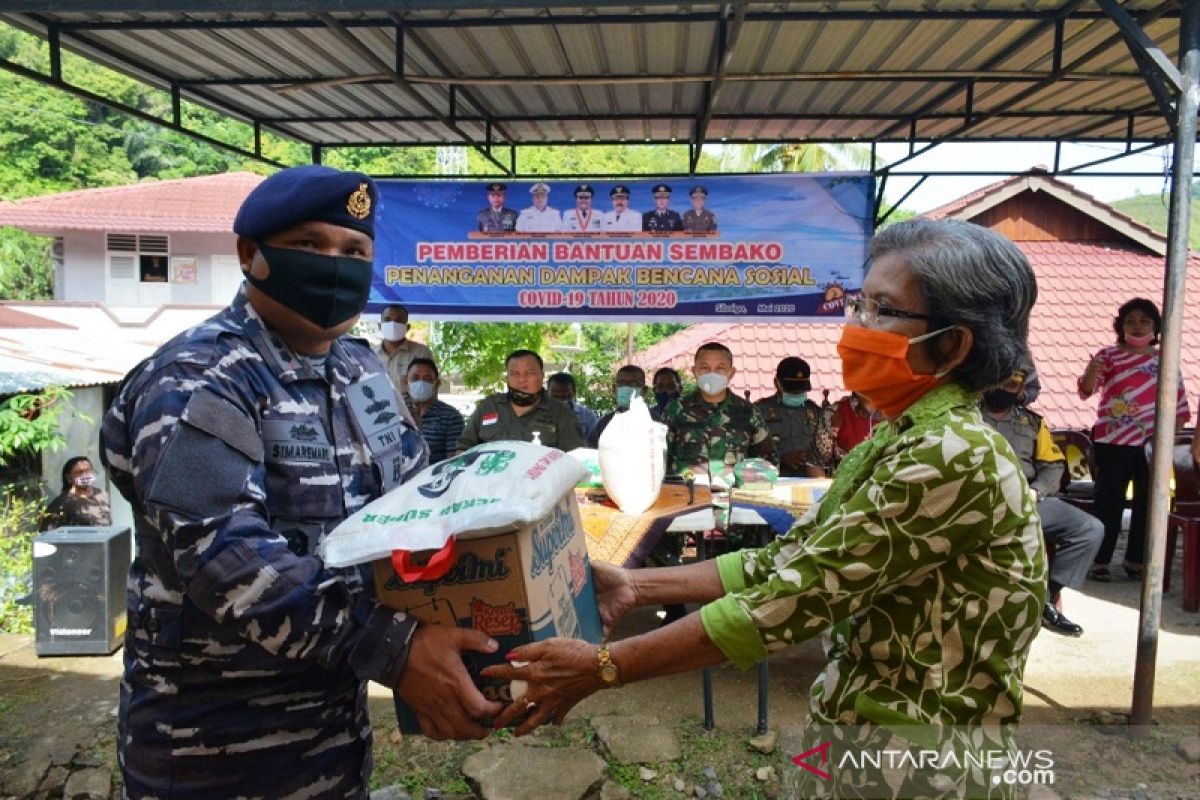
x=530 y=705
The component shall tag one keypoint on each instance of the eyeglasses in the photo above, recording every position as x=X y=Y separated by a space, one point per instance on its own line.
x=867 y=310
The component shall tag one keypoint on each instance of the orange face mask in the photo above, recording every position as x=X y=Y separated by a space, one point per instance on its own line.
x=875 y=364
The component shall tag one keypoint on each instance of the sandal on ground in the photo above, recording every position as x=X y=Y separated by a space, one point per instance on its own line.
x=1100 y=573
x=1133 y=570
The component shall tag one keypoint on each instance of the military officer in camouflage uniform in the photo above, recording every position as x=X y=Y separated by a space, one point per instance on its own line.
x=496 y=217
x=699 y=219
x=240 y=444
x=524 y=413
x=1075 y=534
x=802 y=435
x=662 y=219
x=712 y=427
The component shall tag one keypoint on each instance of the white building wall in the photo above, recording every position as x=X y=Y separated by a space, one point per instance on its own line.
x=84 y=271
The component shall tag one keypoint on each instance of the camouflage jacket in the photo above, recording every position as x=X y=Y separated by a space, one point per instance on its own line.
x=925 y=564
x=804 y=430
x=245 y=657
x=701 y=433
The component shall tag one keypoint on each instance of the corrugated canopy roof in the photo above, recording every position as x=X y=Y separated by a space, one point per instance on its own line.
x=494 y=74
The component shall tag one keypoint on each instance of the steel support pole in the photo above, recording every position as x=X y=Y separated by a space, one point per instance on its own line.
x=1168 y=374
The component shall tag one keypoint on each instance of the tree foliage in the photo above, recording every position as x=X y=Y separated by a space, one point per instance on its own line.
x=29 y=422
x=475 y=351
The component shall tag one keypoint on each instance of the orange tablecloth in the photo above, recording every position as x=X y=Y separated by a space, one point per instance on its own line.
x=626 y=539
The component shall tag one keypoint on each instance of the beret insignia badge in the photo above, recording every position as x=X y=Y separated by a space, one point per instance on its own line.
x=359 y=202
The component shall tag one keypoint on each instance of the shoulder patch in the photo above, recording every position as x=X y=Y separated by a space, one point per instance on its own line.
x=218 y=418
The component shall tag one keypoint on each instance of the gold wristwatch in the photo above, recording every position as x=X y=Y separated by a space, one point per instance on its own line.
x=605 y=666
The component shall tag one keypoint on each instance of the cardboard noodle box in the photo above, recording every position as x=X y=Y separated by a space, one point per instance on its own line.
x=520 y=586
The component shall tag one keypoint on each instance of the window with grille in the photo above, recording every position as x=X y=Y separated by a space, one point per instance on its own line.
x=138 y=256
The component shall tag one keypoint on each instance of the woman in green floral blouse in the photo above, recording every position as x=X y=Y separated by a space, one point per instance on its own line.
x=924 y=560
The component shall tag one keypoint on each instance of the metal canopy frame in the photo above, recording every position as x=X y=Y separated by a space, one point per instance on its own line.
x=497 y=76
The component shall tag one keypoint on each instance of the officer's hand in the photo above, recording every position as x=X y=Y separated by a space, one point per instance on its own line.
x=435 y=683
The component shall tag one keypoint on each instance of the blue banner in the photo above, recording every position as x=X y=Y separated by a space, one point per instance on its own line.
x=760 y=248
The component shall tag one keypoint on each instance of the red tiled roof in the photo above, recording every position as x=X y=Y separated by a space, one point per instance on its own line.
x=197 y=205
x=1080 y=286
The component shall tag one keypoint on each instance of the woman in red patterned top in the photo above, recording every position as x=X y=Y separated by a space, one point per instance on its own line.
x=1126 y=374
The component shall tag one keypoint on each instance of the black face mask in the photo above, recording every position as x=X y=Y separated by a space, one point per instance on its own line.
x=1000 y=400
x=325 y=290
x=519 y=398
x=662 y=398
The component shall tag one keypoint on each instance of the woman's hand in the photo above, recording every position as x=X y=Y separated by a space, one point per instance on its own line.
x=615 y=592
x=558 y=674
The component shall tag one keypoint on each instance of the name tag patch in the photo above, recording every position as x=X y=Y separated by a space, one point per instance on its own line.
x=296 y=441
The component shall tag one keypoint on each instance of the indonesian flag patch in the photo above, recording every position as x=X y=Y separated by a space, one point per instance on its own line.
x=489 y=419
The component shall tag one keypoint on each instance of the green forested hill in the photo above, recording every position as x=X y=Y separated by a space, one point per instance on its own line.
x=1153 y=210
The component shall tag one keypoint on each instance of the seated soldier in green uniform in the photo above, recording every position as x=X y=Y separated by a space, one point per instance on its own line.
x=711 y=427
x=523 y=413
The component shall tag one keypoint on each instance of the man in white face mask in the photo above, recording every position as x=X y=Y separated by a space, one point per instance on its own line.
x=712 y=427
x=441 y=423
x=396 y=350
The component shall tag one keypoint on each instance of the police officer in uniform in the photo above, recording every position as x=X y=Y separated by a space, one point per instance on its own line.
x=798 y=426
x=662 y=218
x=1075 y=534
x=622 y=218
x=698 y=219
x=524 y=413
x=496 y=217
x=539 y=217
x=240 y=444
x=583 y=218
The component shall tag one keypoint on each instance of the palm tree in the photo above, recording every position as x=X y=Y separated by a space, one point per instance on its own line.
x=829 y=157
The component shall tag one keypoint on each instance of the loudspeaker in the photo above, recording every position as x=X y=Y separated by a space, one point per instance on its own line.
x=79 y=590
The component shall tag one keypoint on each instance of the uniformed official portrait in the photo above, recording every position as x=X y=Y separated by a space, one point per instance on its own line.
x=240 y=445
x=540 y=217
x=583 y=218
x=496 y=217
x=622 y=217
x=699 y=219
x=663 y=218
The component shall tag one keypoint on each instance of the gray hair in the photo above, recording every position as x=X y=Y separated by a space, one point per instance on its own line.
x=973 y=277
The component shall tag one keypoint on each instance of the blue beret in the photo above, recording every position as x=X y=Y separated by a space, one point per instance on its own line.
x=302 y=194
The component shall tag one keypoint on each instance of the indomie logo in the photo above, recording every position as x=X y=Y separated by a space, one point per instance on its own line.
x=470 y=568
x=550 y=538
x=495 y=620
